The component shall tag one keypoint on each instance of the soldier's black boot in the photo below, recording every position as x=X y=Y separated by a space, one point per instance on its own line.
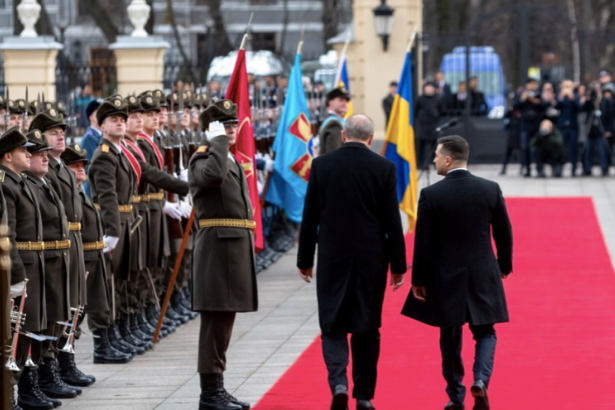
x=173 y=315
x=51 y=384
x=144 y=324
x=30 y=396
x=117 y=340
x=212 y=396
x=244 y=405
x=179 y=306
x=130 y=338
x=135 y=328
x=104 y=353
x=69 y=372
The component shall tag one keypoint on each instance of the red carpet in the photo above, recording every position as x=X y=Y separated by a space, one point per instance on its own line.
x=557 y=353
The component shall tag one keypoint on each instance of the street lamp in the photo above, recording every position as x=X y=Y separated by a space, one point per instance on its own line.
x=383 y=22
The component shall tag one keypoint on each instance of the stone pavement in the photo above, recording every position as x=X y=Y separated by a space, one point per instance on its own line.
x=267 y=342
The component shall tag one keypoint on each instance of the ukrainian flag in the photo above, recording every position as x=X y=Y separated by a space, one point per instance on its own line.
x=399 y=144
x=342 y=80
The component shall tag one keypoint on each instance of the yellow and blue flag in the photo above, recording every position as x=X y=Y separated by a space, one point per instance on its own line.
x=342 y=80
x=399 y=144
x=293 y=150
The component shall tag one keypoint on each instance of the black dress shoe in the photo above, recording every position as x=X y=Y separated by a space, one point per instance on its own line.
x=365 y=405
x=52 y=385
x=479 y=392
x=340 y=398
x=69 y=372
x=454 y=406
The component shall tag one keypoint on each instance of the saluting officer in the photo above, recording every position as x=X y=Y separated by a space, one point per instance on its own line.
x=330 y=132
x=99 y=299
x=224 y=274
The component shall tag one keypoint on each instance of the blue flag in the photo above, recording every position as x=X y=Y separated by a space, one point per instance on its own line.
x=293 y=150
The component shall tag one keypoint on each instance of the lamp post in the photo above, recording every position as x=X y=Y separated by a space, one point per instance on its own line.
x=383 y=22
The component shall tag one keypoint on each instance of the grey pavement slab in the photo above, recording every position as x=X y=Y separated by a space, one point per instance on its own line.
x=267 y=342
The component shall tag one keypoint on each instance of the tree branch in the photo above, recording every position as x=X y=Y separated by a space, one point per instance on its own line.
x=102 y=19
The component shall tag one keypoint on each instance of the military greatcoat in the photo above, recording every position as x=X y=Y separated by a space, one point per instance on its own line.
x=224 y=275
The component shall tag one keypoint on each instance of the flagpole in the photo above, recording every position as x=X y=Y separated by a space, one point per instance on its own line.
x=266 y=187
x=338 y=74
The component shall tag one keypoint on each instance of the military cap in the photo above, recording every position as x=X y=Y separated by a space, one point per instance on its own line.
x=338 y=92
x=134 y=104
x=92 y=106
x=74 y=153
x=172 y=100
x=159 y=94
x=223 y=111
x=114 y=105
x=38 y=140
x=48 y=119
x=200 y=100
x=47 y=105
x=61 y=107
x=149 y=102
x=32 y=107
x=188 y=98
x=19 y=106
x=9 y=103
x=12 y=139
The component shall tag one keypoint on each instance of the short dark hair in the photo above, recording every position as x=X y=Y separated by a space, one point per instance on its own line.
x=455 y=147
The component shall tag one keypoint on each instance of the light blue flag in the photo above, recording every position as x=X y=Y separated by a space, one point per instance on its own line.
x=293 y=150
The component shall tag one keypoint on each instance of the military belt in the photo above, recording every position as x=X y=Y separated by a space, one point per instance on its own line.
x=124 y=209
x=74 y=226
x=136 y=199
x=229 y=223
x=158 y=196
x=5 y=242
x=145 y=198
x=43 y=246
x=94 y=246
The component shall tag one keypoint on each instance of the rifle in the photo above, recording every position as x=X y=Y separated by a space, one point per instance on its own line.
x=175 y=228
x=24 y=123
x=7 y=115
x=192 y=142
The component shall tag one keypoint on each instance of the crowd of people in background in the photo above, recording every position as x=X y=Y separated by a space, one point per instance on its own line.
x=554 y=124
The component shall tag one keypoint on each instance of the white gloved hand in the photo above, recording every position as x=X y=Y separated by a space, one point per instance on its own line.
x=171 y=210
x=215 y=129
x=110 y=243
x=184 y=175
x=269 y=165
x=185 y=208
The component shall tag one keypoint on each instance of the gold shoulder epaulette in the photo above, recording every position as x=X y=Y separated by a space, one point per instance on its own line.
x=202 y=149
x=2 y=174
x=105 y=149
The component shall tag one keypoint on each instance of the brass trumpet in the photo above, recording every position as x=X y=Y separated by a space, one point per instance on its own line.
x=70 y=336
x=20 y=317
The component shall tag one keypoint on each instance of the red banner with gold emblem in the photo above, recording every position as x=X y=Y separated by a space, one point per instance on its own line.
x=245 y=148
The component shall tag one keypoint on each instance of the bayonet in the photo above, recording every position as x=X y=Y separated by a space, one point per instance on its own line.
x=7 y=115
x=25 y=114
x=180 y=113
x=38 y=103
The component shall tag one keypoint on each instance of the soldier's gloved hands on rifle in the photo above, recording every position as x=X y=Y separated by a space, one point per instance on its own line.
x=110 y=243
x=215 y=129
x=268 y=164
x=171 y=209
x=185 y=208
x=182 y=175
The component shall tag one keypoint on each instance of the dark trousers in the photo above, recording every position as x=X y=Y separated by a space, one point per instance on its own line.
x=542 y=157
x=452 y=364
x=571 y=142
x=425 y=150
x=591 y=145
x=214 y=339
x=365 y=353
x=526 y=156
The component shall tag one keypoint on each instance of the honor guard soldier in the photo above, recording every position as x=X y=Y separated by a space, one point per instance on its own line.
x=113 y=181
x=55 y=252
x=330 y=133
x=19 y=107
x=224 y=275
x=51 y=123
x=163 y=119
x=26 y=236
x=99 y=298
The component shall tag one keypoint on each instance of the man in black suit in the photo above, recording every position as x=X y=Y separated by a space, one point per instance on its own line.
x=456 y=278
x=351 y=211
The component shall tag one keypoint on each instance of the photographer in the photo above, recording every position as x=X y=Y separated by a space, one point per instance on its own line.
x=597 y=134
x=532 y=109
x=569 y=106
x=548 y=148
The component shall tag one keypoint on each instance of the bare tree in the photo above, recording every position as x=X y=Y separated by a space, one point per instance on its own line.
x=102 y=19
x=178 y=41
x=285 y=19
x=330 y=19
x=222 y=45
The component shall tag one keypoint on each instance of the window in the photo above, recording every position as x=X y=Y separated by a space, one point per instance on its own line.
x=263 y=2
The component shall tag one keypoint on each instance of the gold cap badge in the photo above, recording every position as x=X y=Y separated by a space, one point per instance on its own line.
x=52 y=112
x=117 y=103
x=227 y=105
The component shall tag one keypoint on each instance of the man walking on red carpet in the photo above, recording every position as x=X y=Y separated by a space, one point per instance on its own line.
x=351 y=210
x=456 y=277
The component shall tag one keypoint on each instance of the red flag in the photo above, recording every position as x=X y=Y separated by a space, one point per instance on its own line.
x=245 y=148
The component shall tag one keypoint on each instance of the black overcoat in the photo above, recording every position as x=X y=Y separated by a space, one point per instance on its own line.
x=453 y=253
x=351 y=210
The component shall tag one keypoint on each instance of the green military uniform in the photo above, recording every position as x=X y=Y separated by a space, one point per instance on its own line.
x=330 y=132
